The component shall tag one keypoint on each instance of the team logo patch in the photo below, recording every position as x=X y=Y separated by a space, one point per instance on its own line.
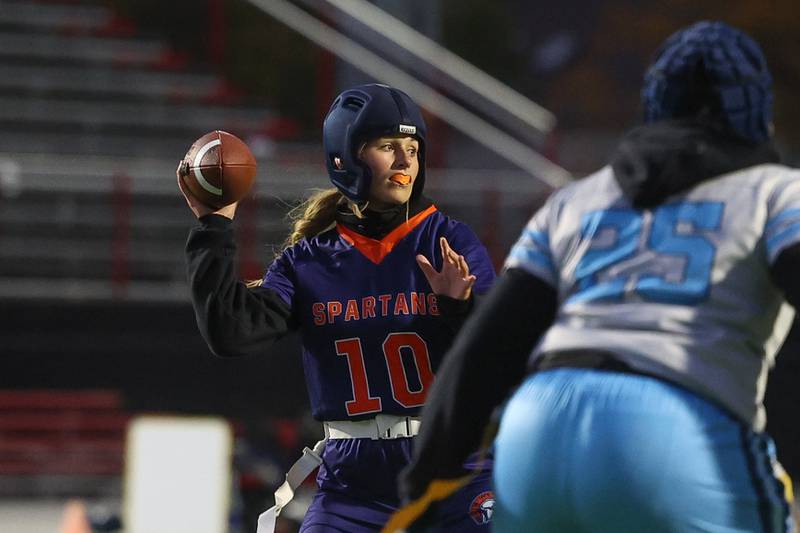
x=407 y=129
x=482 y=507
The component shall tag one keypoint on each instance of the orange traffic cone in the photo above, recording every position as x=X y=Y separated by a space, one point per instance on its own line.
x=75 y=519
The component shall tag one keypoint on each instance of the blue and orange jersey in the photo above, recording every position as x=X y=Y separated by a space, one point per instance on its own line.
x=370 y=324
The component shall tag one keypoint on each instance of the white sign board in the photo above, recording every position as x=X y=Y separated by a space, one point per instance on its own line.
x=177 y=475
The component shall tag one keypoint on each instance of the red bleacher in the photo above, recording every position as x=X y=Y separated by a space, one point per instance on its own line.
x=61 y=433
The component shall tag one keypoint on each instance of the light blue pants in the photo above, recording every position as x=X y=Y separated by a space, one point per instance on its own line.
x=583 y=450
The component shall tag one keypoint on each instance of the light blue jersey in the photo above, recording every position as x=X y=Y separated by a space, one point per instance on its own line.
x=689 y=279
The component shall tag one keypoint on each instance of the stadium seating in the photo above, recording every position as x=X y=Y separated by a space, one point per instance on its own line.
x=95 y=118
x=61 y=443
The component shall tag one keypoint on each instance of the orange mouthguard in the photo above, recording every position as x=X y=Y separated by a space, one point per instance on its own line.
x=400 y=179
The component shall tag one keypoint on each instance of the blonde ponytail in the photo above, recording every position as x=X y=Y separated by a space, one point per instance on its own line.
x=317 y=214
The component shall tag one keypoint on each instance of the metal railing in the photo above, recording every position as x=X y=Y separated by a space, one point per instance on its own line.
x=464 y=120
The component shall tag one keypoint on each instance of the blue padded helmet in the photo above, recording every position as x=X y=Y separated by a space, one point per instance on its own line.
x=358 y=115
x=711 y=67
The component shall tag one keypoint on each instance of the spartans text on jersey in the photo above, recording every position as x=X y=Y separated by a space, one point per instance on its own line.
x=401 y=303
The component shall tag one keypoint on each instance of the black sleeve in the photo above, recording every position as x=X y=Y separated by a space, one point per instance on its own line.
x=454 y=312
x=233 y=319
x=487 y=359
x=786 y=274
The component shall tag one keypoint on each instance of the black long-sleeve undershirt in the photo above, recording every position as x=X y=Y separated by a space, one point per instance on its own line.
x=233 y=319
x=785 y=274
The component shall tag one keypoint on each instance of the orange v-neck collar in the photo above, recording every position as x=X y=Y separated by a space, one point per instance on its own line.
x=377 y=250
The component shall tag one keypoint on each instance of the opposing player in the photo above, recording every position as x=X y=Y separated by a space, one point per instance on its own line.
x=652 y=296
x=377 y=281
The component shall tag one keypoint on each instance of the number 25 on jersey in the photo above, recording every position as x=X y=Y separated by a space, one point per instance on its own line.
x=664 y=257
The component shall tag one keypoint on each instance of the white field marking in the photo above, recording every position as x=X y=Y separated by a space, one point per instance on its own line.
x=199 y=174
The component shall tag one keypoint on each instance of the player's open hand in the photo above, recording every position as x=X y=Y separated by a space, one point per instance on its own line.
x=454 y=280
x=198 y=208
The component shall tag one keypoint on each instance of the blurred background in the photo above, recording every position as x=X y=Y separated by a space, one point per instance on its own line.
x=99 y=100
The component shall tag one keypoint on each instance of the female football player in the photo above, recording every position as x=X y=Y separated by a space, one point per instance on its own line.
x=653 y=298
x=377 y=281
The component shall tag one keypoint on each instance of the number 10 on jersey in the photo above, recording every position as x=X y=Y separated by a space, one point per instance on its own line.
x=393 y=345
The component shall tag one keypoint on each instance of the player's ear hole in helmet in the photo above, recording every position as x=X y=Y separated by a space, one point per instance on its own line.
x=358 y=115
x=714 y=71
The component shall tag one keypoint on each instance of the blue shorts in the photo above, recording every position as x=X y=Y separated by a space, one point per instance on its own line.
x=358 y=490
x=582 y=450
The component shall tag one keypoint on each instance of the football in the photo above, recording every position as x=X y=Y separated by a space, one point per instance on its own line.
x=219 y=169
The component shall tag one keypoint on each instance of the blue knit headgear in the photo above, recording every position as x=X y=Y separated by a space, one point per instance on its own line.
x=713 y=68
